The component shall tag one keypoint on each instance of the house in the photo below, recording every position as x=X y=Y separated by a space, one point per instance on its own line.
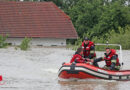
x=44 y=22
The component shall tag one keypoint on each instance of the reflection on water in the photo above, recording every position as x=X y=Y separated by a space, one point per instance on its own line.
x=89 y=85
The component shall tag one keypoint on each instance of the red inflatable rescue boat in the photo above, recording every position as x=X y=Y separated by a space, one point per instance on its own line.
x=1 y=78
x=87 y=71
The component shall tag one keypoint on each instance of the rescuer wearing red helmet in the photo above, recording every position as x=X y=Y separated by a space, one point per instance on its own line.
x=77 y=57
x=111 y=59
x=88 y=48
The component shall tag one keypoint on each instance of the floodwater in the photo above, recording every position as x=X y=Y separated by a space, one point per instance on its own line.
x=37 y=69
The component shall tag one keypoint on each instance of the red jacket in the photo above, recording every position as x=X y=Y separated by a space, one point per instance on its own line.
x=109 y=58
x=87 y=49
x=77 y=58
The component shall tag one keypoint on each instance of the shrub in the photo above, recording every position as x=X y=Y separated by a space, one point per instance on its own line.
x=25 y=43
x=123 y=37
x=78 y=43
x=3 y=44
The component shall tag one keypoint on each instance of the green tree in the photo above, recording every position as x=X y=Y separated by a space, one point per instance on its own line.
x=114 y=16
x=98 y=17
x=86 y=14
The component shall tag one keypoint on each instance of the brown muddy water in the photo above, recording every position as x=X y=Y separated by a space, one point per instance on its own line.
x=37 y=69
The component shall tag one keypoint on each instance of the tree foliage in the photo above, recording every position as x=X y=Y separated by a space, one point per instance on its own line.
x=85 y=15
x=98 y=17
x=122 y=38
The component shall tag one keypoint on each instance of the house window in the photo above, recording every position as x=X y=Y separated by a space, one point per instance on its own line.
x=10 y=44
x=40 y=45
x=53 y=45
x=62 y=43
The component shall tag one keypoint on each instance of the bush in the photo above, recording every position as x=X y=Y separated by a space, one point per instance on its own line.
x=123 y=37
x=3 y=44
x=25 y=43
x=78 y=43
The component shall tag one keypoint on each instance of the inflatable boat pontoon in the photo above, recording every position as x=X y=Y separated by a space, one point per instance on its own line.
x=87 y=71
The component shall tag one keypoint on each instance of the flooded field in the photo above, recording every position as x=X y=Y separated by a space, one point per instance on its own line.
x=37 y=69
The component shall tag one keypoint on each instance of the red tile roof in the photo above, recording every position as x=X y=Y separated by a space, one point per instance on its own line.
x=35 y=19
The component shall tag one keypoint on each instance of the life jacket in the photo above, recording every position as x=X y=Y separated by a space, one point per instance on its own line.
x=109 y=57
x=77 y=58
x=86 y=48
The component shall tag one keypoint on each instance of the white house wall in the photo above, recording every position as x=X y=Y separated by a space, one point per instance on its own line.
x=39 y=41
